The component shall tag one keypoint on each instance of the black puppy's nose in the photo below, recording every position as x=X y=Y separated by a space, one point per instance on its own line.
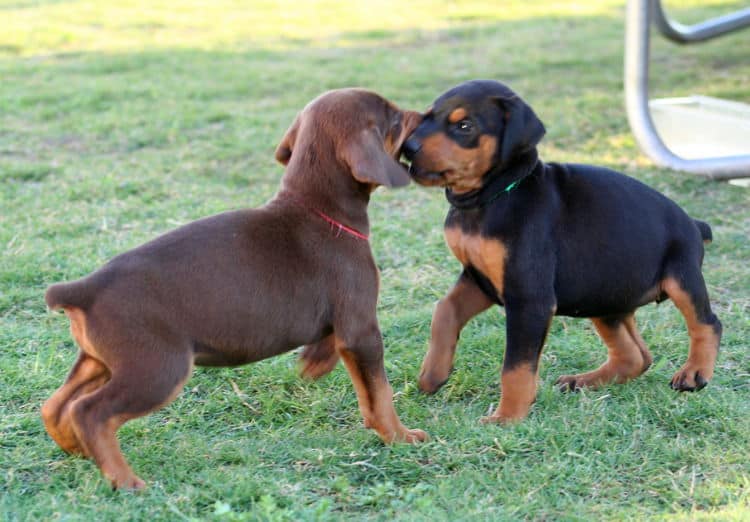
x=411 y=147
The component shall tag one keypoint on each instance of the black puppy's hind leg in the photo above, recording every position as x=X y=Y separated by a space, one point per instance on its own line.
x=685 y=286
x=628 y=357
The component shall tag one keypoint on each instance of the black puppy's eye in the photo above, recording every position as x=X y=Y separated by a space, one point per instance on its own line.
x=464 y=126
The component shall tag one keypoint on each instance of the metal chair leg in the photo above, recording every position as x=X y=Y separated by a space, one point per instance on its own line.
x=637 y=43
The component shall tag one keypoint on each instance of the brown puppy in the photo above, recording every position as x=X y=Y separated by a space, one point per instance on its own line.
x=545 y=239
x=242 y=286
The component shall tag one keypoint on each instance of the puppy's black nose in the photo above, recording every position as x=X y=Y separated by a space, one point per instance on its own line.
x=411 y=147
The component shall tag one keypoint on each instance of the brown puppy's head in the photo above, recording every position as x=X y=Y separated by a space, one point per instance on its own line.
x=355 y=129
x=471 y=129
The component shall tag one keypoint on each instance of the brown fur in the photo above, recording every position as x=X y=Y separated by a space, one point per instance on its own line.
x=242 y=286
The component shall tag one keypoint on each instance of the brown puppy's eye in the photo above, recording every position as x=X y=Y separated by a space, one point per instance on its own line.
x=465 y=126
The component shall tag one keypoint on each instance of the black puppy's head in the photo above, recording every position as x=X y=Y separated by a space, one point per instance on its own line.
x=469 y=130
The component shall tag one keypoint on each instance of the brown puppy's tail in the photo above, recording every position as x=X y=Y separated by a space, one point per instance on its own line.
x=66 y=295
x=705 y=230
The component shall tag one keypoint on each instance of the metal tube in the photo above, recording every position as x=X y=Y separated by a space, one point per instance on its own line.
x=637 y=43
x=685 y=34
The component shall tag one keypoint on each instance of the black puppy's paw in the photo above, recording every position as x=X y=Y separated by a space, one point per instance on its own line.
x=688 y=381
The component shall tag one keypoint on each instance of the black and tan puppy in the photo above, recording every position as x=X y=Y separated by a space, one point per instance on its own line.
x=242 y=286
x=545 y=239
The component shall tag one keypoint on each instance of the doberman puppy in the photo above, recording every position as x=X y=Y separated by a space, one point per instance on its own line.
x=543 y=239
x=242 y=286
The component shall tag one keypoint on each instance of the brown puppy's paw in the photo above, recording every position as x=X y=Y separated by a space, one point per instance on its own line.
x=412 y=436
x=404 y=435
x=499 y=419
x=689 y=378
x=128 y=482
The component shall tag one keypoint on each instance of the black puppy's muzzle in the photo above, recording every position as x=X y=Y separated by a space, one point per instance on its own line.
x=410 y=148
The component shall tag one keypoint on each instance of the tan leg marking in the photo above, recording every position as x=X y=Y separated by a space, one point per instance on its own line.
x=632 y=328
x=628 y=356
x=97 y=395
x=375 y=398
x=96 y=425
x=704 y=342
x=87 y=375
x=518 y=393
x=452 y=313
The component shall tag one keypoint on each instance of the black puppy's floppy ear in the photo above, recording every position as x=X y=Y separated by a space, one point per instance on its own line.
x=284 y=150
x=370 y=163
x=523 y=129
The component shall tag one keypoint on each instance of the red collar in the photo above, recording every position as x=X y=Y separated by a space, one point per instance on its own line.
x=337 y=225
x=340 y=226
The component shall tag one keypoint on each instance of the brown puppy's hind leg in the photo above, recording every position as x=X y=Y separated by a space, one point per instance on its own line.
x=318 y=359
x=703 y=327
x=87 y=375
x=146 y=374
x=142 y=387
x=628 y=357
x=464 y=301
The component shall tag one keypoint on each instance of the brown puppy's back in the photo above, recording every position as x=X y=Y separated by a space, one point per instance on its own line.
x=274 y=280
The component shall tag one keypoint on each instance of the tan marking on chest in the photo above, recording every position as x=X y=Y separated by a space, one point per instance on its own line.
x=485 y=254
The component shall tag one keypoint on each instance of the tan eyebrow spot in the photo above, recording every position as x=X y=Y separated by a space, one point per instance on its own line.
x=457 y=115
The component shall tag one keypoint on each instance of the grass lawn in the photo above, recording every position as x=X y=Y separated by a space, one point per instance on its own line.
x=122 y=120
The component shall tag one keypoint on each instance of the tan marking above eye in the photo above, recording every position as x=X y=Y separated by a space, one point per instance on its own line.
x=486 y=255
x=457 y=115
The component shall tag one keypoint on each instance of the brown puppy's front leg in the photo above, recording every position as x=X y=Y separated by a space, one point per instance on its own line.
x=363 y=359
x=526 y=328
x=464 y=301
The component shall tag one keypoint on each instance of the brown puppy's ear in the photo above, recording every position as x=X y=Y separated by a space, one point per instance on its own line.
x=523 y=129
x=370 y=163
x=284 y=150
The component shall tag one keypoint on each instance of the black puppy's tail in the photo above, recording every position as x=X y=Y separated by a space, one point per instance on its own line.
x=705 y=230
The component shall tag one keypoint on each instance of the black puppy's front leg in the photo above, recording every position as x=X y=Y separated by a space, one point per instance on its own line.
x=527 y=323
x=452 y=313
